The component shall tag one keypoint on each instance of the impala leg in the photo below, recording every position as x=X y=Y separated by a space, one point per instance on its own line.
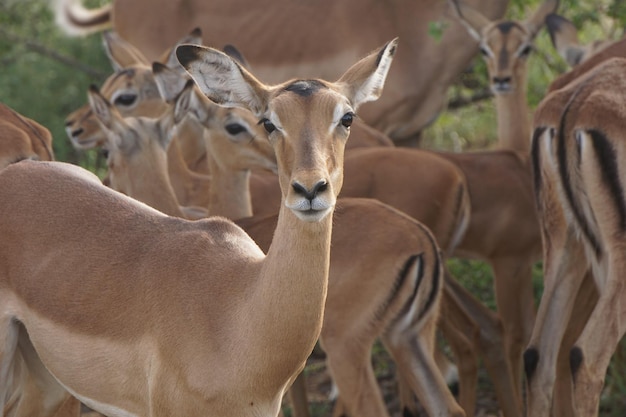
x=9 y=372
x=462 y=334
x=563 y=403
x=349 y=363
x=563 y=277
x=590 y=356
x=413 y=349
x=41 y=395
x=491 y=345
x=516 y=307
x=298 y=397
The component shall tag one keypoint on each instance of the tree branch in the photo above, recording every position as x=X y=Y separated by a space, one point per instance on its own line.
x=54 y=55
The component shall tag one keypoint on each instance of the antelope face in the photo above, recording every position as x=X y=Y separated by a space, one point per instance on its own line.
x=132 y=91
x=241 y=140
x=309 y=144
x=505 y=47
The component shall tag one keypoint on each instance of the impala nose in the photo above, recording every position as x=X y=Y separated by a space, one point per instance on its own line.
x=311 y=193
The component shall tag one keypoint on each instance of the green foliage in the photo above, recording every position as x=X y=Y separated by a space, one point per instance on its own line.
x=45 y=74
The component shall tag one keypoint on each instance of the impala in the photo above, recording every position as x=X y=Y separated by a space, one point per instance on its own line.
x=22 y=138
x=444 y=212
x=403 y=270
x=168 y=316
x=333 y=34
x=577 y=151
x=500 y=181
x=131 y=89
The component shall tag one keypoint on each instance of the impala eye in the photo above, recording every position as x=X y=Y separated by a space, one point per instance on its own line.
x=484 y=51
x=125 y=100
x=267 y=125
x=526 y=51
x=347 y=119
x=235 y=128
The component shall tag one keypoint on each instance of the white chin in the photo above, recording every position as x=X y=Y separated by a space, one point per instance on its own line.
x=311 y=215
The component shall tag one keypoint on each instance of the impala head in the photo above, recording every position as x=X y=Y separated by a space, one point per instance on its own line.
x=504 y=44
x=130 y=141
x=233 y=137
x=131 y=89
x=564 y=36
x=307 y=122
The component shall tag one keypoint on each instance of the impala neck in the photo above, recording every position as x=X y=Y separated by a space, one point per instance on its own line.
x=153 y=187
x=290 y=301
x=229 y=194
x=513 y=120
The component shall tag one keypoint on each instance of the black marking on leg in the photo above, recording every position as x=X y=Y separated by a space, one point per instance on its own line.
x=397 y=285
x=575 y=360
x=408 y=413
x=531 y=360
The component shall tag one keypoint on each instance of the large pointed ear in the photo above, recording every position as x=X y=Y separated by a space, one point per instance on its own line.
x=106 y=114
x=121 y=53
x=222 y=79
x=236 y=54
x=169 y=57
x=537 y=19
x=169 y=82
x=364 y=81
x=473 y=21
x=564 y=37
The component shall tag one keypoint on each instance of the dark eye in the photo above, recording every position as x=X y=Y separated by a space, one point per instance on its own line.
x=267 y=125
x=526 y=51
x=235 y=128
x=484 y=51
x=347 y=119
x=125 y=100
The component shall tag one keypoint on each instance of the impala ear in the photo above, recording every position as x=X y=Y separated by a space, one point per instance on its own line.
x=121 y=53
x=107 y=115
x=169 y=57
x=473 y=21
x=364 y=81
x=537 y=20
x=222 y=79
x=236 y=54
x=169 y=82
x=564 y=37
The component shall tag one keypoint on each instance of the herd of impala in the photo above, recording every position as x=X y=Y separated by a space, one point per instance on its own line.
x=196 y=278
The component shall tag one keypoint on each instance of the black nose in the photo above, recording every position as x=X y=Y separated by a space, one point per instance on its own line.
x=319 y=187
x=77 y=132
x=501 y=80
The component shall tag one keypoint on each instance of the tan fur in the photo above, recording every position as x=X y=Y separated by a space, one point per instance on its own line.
x=170 y=316
x=446 y=188
x=22 y=138
x=570 y=226
x=319 y=40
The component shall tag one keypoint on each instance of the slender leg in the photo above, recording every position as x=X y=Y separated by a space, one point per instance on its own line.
x=298 y=397
x=516 y=308
x=563 y=277
x=491 y=345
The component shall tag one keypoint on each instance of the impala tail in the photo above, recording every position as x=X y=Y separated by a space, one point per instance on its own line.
x=75 y=20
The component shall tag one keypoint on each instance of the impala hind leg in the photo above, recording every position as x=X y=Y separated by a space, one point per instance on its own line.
x=349 y=363
x=590 y=356
x=563 y=277
x=462 y=335
x=413 y=351
x=490 y=344
x=516 y=307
